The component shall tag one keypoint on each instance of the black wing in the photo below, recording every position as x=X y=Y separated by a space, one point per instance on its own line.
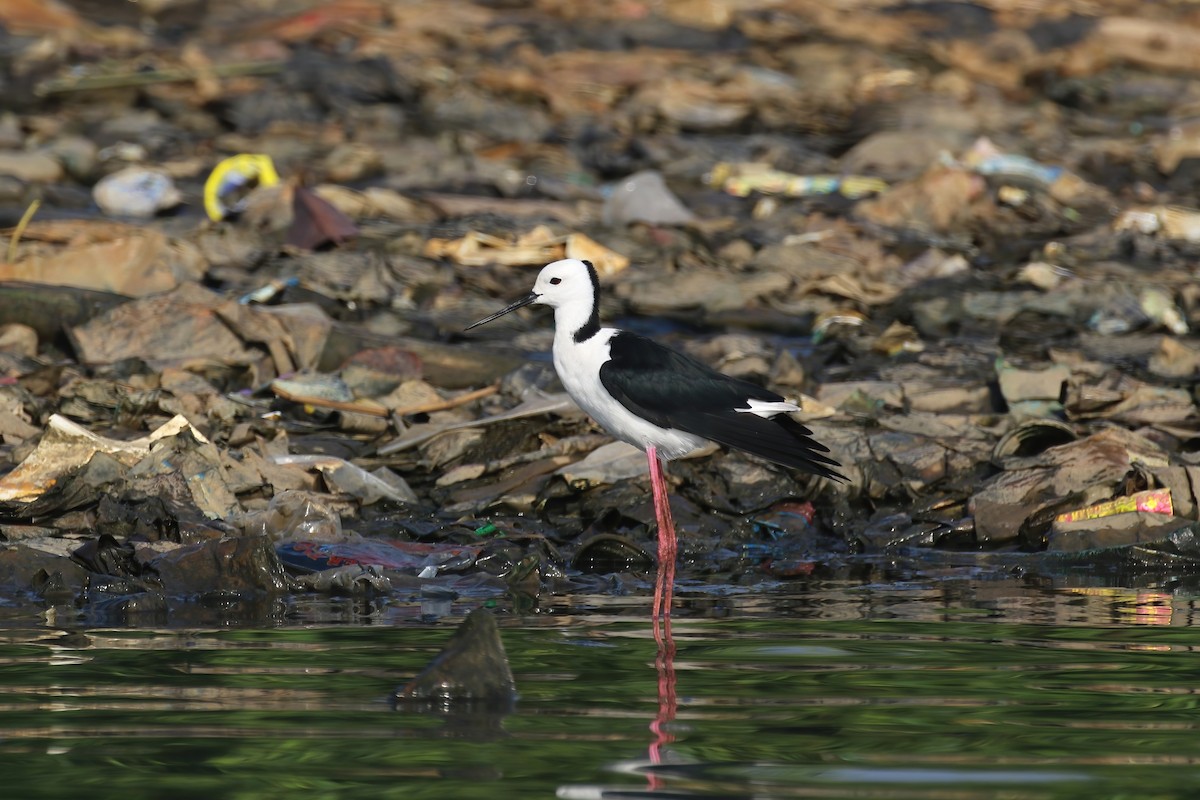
x=675 y=391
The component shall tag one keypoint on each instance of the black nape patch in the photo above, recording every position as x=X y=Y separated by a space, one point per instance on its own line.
x=592 y=326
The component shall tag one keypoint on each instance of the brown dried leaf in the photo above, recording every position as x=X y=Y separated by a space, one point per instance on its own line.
x=316 y=222
x=607 y=262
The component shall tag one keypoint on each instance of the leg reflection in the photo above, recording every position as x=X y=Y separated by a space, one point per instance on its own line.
x=664 y=662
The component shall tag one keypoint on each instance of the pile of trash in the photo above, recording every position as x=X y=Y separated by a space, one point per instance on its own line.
x=240 y=246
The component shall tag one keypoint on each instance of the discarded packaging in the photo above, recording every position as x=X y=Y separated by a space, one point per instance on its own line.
x=68 y=445
x=742 y=180
x=227 y=184
x=1153 y=501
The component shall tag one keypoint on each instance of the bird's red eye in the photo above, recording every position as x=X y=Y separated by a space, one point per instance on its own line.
x=555 y=281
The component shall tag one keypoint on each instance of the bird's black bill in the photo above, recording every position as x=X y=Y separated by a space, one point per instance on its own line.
x=524 y=301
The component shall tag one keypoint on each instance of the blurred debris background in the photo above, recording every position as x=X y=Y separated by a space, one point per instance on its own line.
x=240 y=243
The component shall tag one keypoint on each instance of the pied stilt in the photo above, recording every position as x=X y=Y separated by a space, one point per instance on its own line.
x=658 y=400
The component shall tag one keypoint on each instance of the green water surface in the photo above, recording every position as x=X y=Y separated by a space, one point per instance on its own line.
x=985 y=691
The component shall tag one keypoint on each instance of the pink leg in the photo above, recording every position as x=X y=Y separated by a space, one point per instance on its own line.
x=664 y=586
x=664 y=589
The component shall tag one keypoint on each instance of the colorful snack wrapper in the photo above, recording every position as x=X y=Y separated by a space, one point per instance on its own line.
x=1154 y=501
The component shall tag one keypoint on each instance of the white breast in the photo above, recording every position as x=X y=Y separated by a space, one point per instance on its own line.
x=578 y=365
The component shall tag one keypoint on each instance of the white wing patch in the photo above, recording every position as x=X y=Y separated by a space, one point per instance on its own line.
x=767 y=409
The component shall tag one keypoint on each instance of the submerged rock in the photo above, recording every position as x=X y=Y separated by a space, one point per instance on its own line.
x=471 y=672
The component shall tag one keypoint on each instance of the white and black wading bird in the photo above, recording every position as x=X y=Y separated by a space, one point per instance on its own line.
x=660 y=401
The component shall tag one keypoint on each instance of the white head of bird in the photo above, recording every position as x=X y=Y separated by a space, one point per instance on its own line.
x=566 y=282
x=568 y=286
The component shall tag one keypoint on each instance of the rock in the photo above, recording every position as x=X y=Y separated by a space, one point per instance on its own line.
x=31 y=167
x=18 y=339
x=1041 y=384
x=77 y=154
x=168 y=327
x=898 y=155
x=1132 y=529
x=644 y=197
x=25 y=567
x=471 y=672
x=136 y=192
